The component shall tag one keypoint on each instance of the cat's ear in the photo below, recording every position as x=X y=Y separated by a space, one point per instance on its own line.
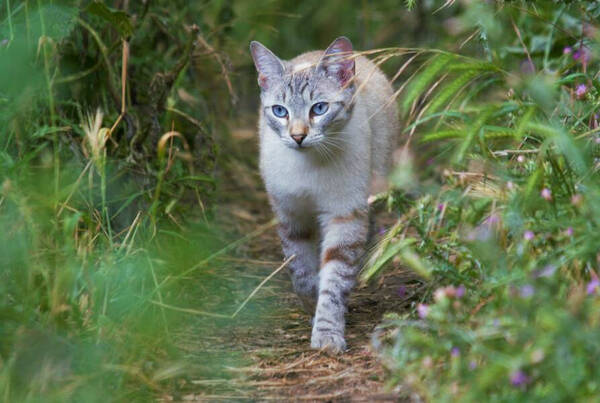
x=268 y=65
x=337 y=61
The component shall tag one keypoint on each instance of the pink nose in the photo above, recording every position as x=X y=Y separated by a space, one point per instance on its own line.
x=298 y=138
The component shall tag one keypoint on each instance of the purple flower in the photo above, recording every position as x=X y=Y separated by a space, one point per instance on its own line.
x=493 y=219
x=441 y=206
x=546 y=271
x=546 y=194
x=581 y=90
x=569 y=231
x=526 y=291
x=422 y=310
x=592 y=286
x=582 y=55
x=455 y=352
x=496 y=323
x=381 y=230
x=472 y=365
x=528 y=235
x=567 y=50
x=519 y=378
x=4 y=42
x=527 y=67
x=460 y=291
x=401 y=292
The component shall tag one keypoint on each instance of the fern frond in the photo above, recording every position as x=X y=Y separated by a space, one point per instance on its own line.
x=451 y=89
x=419 y=84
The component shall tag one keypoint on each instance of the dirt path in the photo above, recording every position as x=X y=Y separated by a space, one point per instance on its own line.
x=265 y=353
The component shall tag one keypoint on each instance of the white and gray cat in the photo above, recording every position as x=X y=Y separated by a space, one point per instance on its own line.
x=327 y=128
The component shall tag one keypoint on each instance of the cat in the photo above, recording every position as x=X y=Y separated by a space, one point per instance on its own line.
x=327 y=126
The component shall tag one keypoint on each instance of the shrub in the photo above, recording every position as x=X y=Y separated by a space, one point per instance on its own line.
x=507 y=234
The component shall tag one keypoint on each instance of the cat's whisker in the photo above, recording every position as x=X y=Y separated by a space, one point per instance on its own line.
x=334 y=145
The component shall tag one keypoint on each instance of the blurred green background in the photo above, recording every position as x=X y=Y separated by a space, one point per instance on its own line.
x=116 y=122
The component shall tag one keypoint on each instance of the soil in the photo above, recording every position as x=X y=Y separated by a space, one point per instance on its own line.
x=264 y=353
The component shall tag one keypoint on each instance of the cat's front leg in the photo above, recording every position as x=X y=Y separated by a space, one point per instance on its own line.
x=301 y=240
x=343 y=247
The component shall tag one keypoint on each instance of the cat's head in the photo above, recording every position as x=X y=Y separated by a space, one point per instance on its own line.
x=306 y=103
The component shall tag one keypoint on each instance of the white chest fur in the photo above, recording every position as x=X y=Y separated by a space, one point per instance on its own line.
x=335 y=181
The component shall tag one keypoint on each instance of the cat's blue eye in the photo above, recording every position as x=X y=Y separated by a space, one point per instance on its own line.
x=279 y=111
x=319 y=108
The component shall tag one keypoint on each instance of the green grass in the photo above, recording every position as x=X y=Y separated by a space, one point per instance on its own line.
x=503 y=225
x=105 y=216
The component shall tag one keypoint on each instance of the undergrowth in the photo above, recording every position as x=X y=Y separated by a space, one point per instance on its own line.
x=506 y=232
x=100 y=152
x=111 y=118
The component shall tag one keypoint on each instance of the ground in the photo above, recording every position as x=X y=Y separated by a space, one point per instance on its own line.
x=270 y=338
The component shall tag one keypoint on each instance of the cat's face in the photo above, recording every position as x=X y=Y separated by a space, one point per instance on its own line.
x=306 y=104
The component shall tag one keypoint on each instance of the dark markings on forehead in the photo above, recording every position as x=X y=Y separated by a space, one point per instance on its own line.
x=298 y=82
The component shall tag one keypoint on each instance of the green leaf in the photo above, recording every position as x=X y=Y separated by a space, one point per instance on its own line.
x=119 y=19
x=472 y=131
x=451 y=90
x=390 y=251
x=443 y=135
x=422 y=80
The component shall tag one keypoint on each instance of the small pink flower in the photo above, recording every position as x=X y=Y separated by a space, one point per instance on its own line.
x=582 y=55
x=567 y=50
x=422 y=310
x=455 y=352
x=546 y=194
x=510 y=185
x=576 y=199
x=438 y=295
x=592 y=286
x=528 y=235
x=493 y=219
x=580 y=91
x=526 y=291
x=460 y=291
x=519 y=378
x=520 y=159
x=569 y=231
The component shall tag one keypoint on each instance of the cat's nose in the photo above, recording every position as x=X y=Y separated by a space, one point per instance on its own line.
x=298 y=138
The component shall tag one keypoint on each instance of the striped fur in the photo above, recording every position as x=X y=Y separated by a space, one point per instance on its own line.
x=318 y=189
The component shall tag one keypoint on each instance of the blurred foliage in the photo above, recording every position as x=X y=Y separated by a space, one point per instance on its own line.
x=105 y=214
x=107 y=205
x=503 y=221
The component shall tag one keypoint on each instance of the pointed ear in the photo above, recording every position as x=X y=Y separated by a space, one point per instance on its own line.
x=267 y=64
x=337 y=61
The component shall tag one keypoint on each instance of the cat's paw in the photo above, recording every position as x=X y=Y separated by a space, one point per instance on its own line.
x=328 y=340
